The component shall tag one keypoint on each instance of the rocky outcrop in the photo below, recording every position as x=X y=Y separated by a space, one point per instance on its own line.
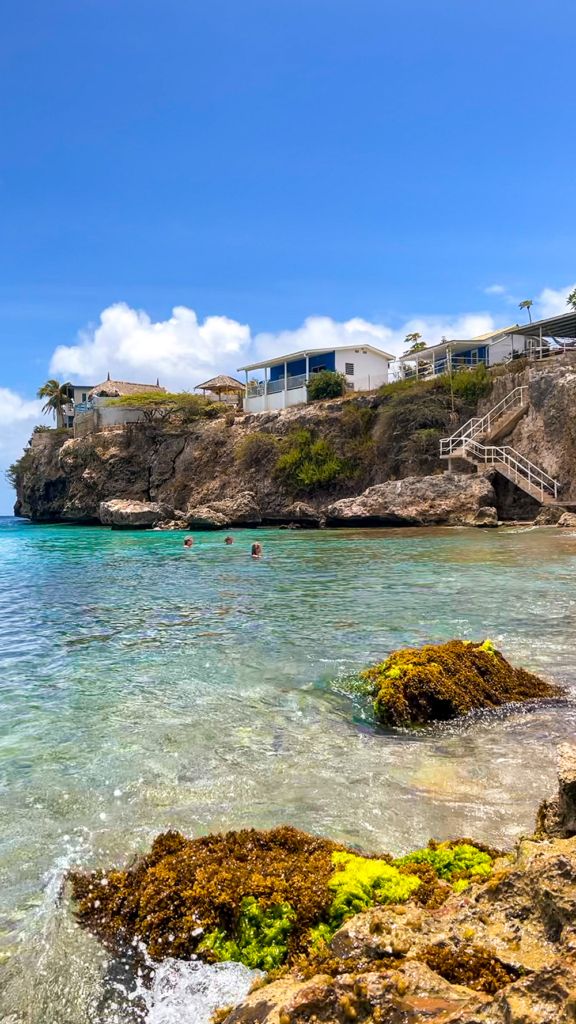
x=133 y=515
x=499 y=953
x=549 y=515
x=567 y=519
x=242 y=510
x=368 y=441
x=452 y=499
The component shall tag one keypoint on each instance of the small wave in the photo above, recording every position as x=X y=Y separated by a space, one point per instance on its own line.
x=189 y=993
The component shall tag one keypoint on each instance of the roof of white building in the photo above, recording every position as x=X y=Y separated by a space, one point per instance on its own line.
x=458 y=344
x=317 y=352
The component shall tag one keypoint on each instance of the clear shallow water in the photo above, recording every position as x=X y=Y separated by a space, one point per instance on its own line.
x=142 y=686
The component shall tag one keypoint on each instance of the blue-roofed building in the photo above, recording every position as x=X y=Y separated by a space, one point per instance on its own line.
x=281 y=381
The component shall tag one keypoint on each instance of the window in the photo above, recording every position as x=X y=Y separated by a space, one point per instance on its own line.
x=318 y=369
x=83 y=396
x=349 y=369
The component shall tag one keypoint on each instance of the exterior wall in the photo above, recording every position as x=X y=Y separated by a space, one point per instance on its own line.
x=502 y=349
x=370 y=369
x=370 y=372
x=100 y=417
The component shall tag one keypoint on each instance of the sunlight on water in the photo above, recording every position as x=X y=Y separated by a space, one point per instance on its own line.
x=144 y=687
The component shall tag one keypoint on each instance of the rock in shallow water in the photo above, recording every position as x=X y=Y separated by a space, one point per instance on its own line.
x=122 y=514
x=453 y=499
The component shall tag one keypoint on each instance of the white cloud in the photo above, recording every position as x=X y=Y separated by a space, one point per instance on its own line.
x=552 y=303
x=183 y=352
x=126 y=343
x=495 y=289
x=18 y=416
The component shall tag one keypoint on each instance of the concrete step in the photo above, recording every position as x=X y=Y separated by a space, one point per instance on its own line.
x=503 y=426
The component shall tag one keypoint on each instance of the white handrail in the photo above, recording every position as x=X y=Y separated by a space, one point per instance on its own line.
x=517 y=463
x=482 y=425
x=463 y=444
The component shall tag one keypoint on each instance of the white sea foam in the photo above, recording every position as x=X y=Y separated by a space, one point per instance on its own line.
x=189 y=993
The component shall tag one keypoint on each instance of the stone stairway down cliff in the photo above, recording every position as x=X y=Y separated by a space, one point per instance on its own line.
x=469 y=443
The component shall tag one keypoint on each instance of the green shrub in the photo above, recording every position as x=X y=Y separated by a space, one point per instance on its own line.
x=306 y=464
x=326 y=384
x=258 y=450
x=41 y=428
x=181 y=407
x=471 y=385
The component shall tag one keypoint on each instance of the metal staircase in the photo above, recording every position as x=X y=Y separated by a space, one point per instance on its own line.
x=467 y=444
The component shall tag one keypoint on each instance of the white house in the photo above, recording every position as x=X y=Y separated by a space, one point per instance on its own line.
x=283 y=379
x=537 y=340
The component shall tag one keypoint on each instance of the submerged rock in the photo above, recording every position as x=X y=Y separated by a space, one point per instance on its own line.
x=440 y=682
x=121 y=514
x=452 y=499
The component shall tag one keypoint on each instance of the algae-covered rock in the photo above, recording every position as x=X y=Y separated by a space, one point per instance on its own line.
x=440 y=682
x=260 y=898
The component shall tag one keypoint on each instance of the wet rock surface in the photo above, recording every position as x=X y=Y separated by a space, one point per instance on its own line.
x=441 y=681
x=122 y=514
x=449 y=498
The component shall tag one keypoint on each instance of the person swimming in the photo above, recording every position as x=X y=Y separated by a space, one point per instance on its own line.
x=188 y=542
x=228 y=540
x=256 y=550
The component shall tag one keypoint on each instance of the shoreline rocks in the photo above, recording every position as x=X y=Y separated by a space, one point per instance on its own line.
x=121 y=514
x=449 y=499
x=476 y=936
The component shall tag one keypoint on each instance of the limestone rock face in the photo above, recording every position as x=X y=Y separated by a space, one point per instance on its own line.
x=568 y=519
x=242 y=510
x=453 y=499
x=121 y=514
x=206 y=518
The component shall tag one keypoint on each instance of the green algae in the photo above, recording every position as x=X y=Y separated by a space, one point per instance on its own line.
x=264 y=899
x=440 y=682
x=455 y=863
x=360 y=883
x=261 y=936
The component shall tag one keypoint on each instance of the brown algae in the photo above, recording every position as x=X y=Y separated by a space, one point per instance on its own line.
x=442 y=681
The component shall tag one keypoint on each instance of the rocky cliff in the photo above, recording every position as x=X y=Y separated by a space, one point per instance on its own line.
x=317 y=454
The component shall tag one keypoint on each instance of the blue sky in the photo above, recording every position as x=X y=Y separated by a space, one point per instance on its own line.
x=269 y=161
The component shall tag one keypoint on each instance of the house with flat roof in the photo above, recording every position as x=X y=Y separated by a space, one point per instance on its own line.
x=281 y=381
x=535 y=340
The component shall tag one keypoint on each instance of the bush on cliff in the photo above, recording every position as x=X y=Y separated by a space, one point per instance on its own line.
x=262 y=898
x=181 y=407
x=307 y=463
x=440 y=682
x=326 y=384
x=258 y=451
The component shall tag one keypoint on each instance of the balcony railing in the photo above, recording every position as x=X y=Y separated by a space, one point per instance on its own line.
x=274 y=386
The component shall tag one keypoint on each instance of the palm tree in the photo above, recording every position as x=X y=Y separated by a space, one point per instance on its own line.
x=571 y=300
x=526 y=305
x=58 y=396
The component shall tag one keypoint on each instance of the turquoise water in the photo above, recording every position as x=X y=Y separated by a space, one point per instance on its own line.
x=143 y=686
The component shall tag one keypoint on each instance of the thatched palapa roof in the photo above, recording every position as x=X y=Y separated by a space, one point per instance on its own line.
x=118 y=388
x=222 y=385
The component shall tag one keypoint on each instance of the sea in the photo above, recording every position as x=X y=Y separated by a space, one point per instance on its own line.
x=144 y=687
